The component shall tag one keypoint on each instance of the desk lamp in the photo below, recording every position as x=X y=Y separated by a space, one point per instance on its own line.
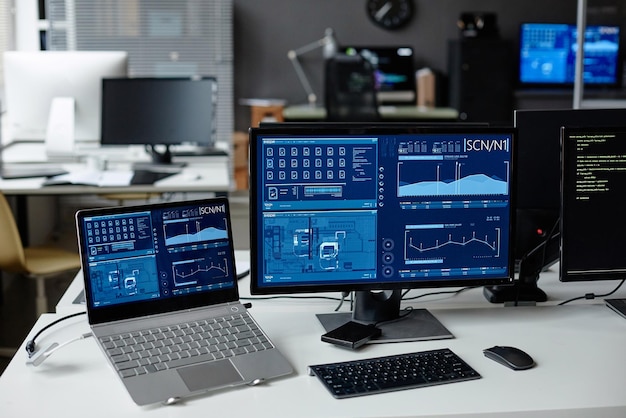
x=329 y=45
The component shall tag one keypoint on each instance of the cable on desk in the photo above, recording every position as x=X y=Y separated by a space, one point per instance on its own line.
x=443 y=292
x=404 y=313
x=590 y=296
x=243 y=274
x=291 y=297
x=344 y=295
x=31 y=346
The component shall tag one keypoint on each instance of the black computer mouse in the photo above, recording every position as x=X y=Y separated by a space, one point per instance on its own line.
x=511 y=357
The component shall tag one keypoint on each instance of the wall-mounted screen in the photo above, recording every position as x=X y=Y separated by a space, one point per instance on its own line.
x=547 y=54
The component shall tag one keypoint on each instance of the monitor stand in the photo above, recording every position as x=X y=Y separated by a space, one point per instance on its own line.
x=383 y=309
x=525 y=289
x=161 y=160
x=60 y=131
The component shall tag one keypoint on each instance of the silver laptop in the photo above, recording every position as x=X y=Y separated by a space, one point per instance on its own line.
x=162 y=300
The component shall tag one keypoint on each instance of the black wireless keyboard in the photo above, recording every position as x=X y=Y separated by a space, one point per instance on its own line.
x=390 y=373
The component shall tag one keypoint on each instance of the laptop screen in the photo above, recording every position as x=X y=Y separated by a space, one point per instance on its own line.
x=156 y=258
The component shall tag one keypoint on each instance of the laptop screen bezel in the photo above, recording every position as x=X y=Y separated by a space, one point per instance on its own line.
x=108 y=313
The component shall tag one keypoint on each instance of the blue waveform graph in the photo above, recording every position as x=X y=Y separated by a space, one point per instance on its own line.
x=450 y=179
x=477 y=184
x=191 y=231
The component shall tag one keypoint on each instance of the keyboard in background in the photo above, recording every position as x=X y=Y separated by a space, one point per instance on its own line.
x=24 y=171
x=391 y=373
x=148 y=176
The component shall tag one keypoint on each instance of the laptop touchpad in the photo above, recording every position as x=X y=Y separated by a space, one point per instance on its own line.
x=210 y=375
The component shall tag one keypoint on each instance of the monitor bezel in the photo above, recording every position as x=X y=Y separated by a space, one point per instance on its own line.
x=106 y=313
x=108 y=139
x=358 y=129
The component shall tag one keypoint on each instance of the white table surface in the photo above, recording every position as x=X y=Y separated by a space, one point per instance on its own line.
x=578 y=349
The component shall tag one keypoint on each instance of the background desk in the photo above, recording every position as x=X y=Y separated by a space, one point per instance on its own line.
x=203 y=174
x=307 y=113
x=578 y=348
x=207 y=176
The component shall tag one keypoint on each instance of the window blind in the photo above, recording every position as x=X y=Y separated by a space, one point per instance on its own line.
x=6 y=37
x=164 y=38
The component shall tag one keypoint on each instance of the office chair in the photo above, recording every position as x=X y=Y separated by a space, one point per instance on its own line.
x=350 y=90
x=38 y=263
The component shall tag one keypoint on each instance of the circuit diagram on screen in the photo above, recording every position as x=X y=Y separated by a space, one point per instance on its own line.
x=320 y=242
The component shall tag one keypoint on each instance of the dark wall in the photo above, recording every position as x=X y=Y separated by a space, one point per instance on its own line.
x=266 y=29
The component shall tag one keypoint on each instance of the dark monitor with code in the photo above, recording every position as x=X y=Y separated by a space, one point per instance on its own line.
x=592 y=217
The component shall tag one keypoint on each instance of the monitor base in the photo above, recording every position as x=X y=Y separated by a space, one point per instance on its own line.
x=419 y=325
x=520 y=292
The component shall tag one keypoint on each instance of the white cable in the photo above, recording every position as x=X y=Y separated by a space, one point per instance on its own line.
x=37 y=359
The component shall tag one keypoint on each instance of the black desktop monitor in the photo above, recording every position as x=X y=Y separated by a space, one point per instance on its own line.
x=394 y=71
x=547 y=55
x=159 y=112
x=538 y=183
x=592 y=216
x=367 y=208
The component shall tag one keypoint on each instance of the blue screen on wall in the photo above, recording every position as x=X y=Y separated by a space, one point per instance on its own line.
x=548 y=54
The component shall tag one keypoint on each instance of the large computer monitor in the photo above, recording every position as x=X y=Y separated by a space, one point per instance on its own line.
x=538 y=184
x=592 y=218
x=159 y=112
x=367 y=208
x=394 y=71
x=35 y=80
x=547 y=55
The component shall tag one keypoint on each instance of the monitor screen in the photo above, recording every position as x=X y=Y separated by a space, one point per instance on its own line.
x=394 y=71
x=372 y=207
x=34 y=79
x=159 y=111
x=592 y=220
x=537 y=202
x=539 y=169
x=547 y=54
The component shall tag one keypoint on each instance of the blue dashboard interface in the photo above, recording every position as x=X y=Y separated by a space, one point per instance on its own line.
x=548 y=54
x=157 y=253
x=363 y=209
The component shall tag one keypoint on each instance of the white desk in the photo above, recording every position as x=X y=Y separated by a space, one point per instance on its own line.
x=201 y=174
x=578 y=349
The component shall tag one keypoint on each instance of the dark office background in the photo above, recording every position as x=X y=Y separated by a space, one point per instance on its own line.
x=266 y=29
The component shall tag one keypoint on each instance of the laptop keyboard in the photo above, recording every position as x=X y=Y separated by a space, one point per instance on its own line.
x=155 y=349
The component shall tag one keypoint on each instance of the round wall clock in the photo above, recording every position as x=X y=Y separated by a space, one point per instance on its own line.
x=390 y=14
